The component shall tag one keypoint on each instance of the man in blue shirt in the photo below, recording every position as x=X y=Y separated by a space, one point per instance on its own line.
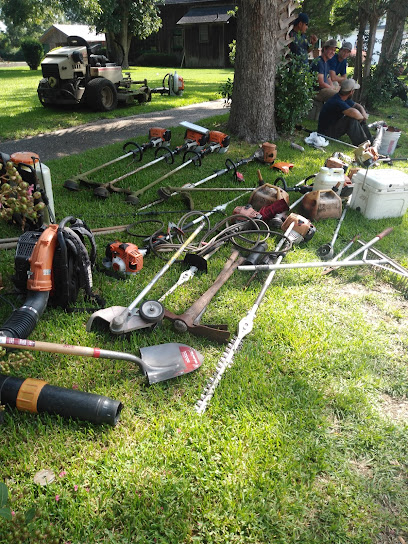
x=338 y=64
x=341 y=115
x=325 y=86
x=300 y=44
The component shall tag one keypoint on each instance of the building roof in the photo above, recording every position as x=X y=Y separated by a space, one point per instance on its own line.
x=206 y=15
x=83 y=31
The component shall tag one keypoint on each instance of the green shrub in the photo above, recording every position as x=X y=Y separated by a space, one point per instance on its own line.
x=33 y=52
x=153 y=58
x=383 y=85
x=225 y=90
x=293 y=94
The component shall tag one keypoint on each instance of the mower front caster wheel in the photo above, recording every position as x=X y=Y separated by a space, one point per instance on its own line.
x=151 y=311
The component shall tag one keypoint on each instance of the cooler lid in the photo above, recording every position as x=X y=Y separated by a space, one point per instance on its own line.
x=382 y=180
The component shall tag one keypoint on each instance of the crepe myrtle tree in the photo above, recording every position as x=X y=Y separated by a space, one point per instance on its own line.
x=262 y=27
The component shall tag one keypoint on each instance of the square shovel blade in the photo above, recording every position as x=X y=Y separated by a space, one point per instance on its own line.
x=166 y=361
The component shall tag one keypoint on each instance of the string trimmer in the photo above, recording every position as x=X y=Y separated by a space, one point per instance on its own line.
x=157 y=137
x=166 y=192
x=218 y=142
x=193 y=140
x=158 y=363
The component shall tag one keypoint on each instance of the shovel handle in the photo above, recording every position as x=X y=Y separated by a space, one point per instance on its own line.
x=31 y=345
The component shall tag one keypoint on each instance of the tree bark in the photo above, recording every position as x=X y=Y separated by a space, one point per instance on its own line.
x=397 y=14
x=358 y=67
x=260 y=43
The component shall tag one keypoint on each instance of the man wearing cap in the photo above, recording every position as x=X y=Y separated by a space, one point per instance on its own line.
x=338 y=64
x=341 y=115
x=300 y=43
x=325 y=86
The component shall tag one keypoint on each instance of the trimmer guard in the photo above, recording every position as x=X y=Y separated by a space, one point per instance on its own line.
x=102 y=319
x=167 y=361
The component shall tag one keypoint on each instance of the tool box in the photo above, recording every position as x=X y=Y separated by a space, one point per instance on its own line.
x=380 y=193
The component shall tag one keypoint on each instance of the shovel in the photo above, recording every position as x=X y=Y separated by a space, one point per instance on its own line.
x=158 y=363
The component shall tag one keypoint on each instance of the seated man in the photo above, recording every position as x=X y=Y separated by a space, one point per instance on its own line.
x=338 y=64
x=326 y=87
x=341 y=115
x=301 y=44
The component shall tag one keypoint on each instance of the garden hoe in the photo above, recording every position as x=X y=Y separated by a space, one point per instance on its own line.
x=123 y=320
x=158 y=137
x=158 y=363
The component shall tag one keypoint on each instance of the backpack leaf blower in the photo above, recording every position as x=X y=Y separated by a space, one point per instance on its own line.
x=51 y=266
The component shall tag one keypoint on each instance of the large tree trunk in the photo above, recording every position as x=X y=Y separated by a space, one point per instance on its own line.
x=397 y=14
x=261 y=29
x=119 y=44
x=358 y=67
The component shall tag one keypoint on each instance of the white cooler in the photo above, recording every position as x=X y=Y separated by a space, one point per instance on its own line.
x=380 y=193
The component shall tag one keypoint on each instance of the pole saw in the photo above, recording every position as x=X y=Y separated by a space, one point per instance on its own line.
x=244 y=327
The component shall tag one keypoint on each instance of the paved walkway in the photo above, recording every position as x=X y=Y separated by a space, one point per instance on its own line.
x=65 y=142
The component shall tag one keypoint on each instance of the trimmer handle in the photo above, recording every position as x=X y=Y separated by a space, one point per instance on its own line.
x=168 y=154
x=137 y=151
x=196 y=157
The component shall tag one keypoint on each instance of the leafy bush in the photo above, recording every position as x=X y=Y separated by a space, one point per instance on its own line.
x=167 y=60
x=293 y=94
x=383 y=85
x=232 y=47
x=225 y=90
x=33 y=52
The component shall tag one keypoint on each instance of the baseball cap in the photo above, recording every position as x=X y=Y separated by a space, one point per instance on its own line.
x=348 y=85
x=303 y=18
x=347 y=45
x=330 y=43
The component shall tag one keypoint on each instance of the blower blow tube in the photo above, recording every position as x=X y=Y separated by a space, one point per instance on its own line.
x=24 y=320
x=36 y=396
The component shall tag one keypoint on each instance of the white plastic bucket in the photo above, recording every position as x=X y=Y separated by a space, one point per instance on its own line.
x=389 y=141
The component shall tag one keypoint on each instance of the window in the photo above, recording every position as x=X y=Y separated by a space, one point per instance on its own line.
x=203 y=34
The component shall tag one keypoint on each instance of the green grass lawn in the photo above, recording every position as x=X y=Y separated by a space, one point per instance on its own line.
x=305 y=437
x=21 y=113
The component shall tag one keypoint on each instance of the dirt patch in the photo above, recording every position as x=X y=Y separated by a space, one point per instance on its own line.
x=395 y=409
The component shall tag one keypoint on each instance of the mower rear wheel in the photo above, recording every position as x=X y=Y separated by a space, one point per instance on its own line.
x=101 y=94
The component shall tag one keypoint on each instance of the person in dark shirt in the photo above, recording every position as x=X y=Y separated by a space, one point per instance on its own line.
x=338 y=64
x=341 y=115
x=301 y=44
x=325 y=86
